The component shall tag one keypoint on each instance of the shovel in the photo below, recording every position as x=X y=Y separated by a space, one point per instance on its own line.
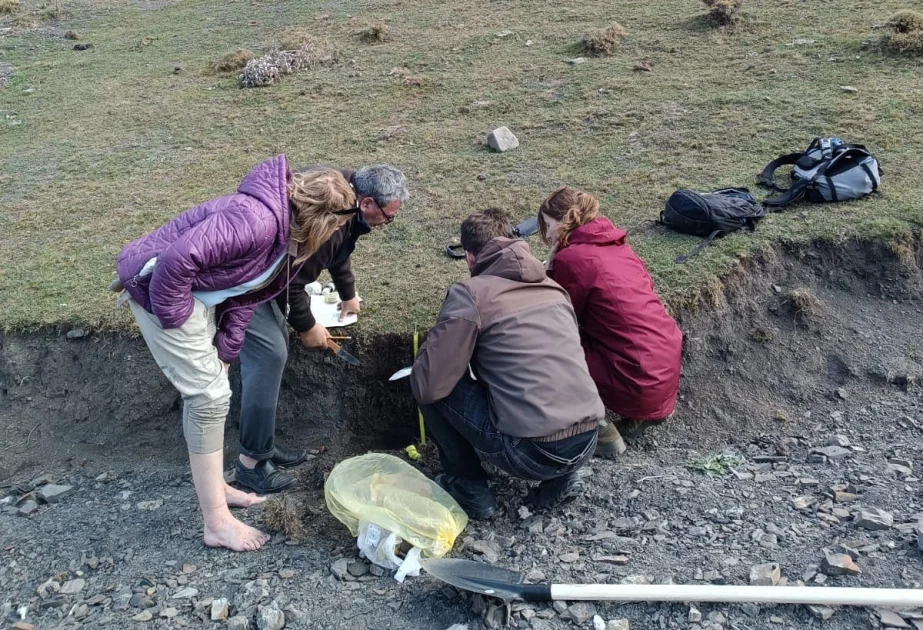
x=507 y=585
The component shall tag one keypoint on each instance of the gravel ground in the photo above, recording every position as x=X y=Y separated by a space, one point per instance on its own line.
x=122 y=549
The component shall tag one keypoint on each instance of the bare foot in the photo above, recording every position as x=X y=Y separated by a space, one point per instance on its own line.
x=228 y=532
x=239 y=498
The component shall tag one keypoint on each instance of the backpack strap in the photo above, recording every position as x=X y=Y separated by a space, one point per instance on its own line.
x=765 y=178
x=705 y=242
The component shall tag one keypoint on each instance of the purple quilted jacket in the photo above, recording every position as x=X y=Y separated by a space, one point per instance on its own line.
x=217 y=245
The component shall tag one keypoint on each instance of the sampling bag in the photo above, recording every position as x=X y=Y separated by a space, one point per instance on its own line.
x=396 y=497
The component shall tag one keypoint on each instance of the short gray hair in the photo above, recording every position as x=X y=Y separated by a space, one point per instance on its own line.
x=383 y=183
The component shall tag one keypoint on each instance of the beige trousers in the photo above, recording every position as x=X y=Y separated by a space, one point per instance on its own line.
x=188 y=358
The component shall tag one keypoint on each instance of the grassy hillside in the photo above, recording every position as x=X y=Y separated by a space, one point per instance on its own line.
x=101 y=145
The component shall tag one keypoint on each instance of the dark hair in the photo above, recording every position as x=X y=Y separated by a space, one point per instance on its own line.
x=482 y=227
x=571 y=209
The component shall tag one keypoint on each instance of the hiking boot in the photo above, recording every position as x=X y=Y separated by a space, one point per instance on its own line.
x=474 y=496
x=555 y=492
x=609 y=444
x=264 y=478
x=634 y=429
x=287 y=457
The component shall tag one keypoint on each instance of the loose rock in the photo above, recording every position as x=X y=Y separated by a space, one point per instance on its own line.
x=270 y=618
x=576 y=61
x=821 y=612
x=765 y=574
x=618 y=624
x=53 y=492
x=874 y=519
x=839 y=564
x=502 y=140
x=832 y=452
x=220 y=609
x=186 y=593
x=579 y=612
x=340 y=569
x=72 y=587
x=238 y=623
x=892 y=619
x=144 y=615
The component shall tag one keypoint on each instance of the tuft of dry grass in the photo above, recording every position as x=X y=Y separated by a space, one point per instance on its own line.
x=377 y=33
x=805 y=304
x=762 y=334
x=723 y=12
x=407 y=78
x=233 y=61
x=270 y=68
x=902 y=249
x=9 y=6
x=296 y=38
x=906 y=36
x=602 y=42
x=282 y=516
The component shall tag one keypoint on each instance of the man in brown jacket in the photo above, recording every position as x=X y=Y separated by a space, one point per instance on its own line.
x=502 y=376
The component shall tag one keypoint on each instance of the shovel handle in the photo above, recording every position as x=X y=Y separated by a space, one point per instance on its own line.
x=832 y=596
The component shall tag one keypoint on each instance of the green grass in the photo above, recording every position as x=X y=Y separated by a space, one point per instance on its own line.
x=112 y=143
x=713 y=465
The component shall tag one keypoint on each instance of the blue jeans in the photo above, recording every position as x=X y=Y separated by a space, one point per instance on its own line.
x=466 y=436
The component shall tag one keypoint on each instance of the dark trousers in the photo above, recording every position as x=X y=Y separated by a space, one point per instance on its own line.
x=466 y=436
x=262 y=361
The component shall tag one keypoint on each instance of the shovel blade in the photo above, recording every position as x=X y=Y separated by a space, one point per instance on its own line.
x=476 y=577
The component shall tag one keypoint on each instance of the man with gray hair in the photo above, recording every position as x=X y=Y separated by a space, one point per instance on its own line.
x=380 y=191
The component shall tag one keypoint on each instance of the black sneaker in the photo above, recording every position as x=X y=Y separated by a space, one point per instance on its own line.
x=264 y=478
x=288 y=457
x=555 y=492
x=475 y=497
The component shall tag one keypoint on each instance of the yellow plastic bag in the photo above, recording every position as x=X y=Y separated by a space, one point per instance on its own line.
x=389 y=492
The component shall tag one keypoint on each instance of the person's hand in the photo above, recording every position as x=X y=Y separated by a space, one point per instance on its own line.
x=315 y=338
x=349 y=307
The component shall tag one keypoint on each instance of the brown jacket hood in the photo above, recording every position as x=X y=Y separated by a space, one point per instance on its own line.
x=508 y=258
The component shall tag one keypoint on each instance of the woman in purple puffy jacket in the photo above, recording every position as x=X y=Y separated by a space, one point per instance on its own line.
x=193 y=285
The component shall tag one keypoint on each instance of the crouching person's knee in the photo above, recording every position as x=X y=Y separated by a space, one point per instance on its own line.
x=204 y=416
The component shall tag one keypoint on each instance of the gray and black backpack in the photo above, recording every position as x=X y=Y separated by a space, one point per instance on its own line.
x=830 y=170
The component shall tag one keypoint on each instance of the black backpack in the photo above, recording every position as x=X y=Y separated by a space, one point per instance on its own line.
x=829 y=170
x=710 y=215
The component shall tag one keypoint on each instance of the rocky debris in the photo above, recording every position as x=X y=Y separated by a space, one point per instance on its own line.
x=28 y=508
x=874 y=519
x=821 y=612
x=579 y=612
x=186 y=593
x=52 y=493
x=340 y=569
x=502 y=139
x=839 y=564
x=832 y=452
x=695 y=615
x=251 y=593
x=144 y=615
x=150 y=506
x=765 y=574
x=891 y=619
x=238 y=623
x=286 y=574
x=169 y=613
x=851 y=88
x=618 y=624
x=577 y=61
x=72 y=587
x=270 y=618
x=220 y=609
x=598 y=623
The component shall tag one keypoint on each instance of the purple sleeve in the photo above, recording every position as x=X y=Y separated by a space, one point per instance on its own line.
x=236 y=231
x=230 y=337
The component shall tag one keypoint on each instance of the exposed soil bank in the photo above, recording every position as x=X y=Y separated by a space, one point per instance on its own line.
x=785 y=330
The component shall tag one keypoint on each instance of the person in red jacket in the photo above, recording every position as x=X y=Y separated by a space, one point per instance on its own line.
x=633 y=347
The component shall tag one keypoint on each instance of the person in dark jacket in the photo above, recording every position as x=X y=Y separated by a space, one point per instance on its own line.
x=193 y=286
x=501 y=377
x=633 y=347
x=380 y=192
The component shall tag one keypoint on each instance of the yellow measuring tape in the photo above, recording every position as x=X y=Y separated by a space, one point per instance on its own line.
x=416 y=348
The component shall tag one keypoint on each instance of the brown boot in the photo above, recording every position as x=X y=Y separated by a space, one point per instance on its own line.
x=634 y=429
x=610 y=444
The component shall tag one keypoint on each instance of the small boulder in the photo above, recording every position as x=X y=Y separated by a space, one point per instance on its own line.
x=220 y=609
x=579 y=612
x=502 y=140
x=839 y=564
x=238 y=623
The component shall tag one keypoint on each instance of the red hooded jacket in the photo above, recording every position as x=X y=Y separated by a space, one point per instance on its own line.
x=633 y=347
